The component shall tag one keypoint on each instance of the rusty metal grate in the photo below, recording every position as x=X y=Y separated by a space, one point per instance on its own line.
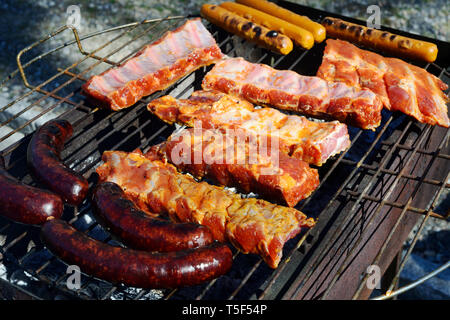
x=368 y=200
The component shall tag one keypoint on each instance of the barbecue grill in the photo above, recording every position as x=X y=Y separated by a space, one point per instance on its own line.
x=369 y=199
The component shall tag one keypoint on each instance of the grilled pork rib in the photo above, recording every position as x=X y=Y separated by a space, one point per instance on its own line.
x=310 y=141
x=235 y=160
x=284 y=89
x=155 y=67
x=252 y=225
x=399 y=85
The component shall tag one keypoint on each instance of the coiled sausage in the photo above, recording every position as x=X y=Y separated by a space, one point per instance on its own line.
x=43 y=159
x=143 y=232
x=26 y=204
x=132 y=267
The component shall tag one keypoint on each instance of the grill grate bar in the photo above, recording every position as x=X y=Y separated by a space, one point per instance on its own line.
x=422 y=151
x=210 y=284
x=414 y=241
x=73 y=75
x=108 y=294
x=411 y=155
x=386 y=242
x=341 y=188
x=392 y=172
x=244 y=281
x=139 y=295
x=397 y=205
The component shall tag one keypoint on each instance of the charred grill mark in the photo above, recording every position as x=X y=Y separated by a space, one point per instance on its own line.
x=247 y=26
x=392 y=37
x=359 y=30
x=328 y=21
x=233 y=21
x=257 y=31
x=404 y=44
x=343 y=26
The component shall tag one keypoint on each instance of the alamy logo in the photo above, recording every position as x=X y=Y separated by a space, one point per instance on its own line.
x=373 y=281
x=74 y=280
x=374 y=20
x=74 y=16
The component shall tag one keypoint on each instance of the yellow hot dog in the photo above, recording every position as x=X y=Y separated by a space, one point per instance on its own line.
x=234 y=23
x=300 y=36
x=317 y=30
x=381 y=40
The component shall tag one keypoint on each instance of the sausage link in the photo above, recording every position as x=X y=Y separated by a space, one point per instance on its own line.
x=317 y=30
x=44 y=161
x=132 y=267
x=26 y=204
x=143 y=232
x=300 y=36
x=381 y=40
x=246 y=29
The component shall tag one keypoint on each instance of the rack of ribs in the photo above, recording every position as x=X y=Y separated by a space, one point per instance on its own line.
x=251 y=225
x=311 y=141
x=399 y=85
x=237 y=160
x=155 y=67
x=288 y=90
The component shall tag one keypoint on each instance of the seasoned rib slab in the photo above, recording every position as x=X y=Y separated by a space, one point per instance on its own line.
x=155 y=67
x=284 y=89
x=236 y=160
x=252 y=225
x=399 y=85
x=310 y=141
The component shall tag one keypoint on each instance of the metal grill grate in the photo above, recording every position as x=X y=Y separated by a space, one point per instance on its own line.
x=368 y=200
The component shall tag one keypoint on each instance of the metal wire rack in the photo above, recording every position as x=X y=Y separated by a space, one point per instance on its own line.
x=368 y=200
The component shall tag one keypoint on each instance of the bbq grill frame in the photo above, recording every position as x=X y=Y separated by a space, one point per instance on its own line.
x=366 y=209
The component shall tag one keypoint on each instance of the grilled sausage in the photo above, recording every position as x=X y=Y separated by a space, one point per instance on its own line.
x=26 y=204
x=143 y=232
x=300 y=36
x=317 y=30
x=258 y=34
x=44 y=161
x=381 y=40
x=132 y=267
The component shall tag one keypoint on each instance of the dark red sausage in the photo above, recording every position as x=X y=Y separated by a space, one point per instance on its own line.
x=44 y=161
x=26 y=204
x=132 y=267
x=143 y=232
